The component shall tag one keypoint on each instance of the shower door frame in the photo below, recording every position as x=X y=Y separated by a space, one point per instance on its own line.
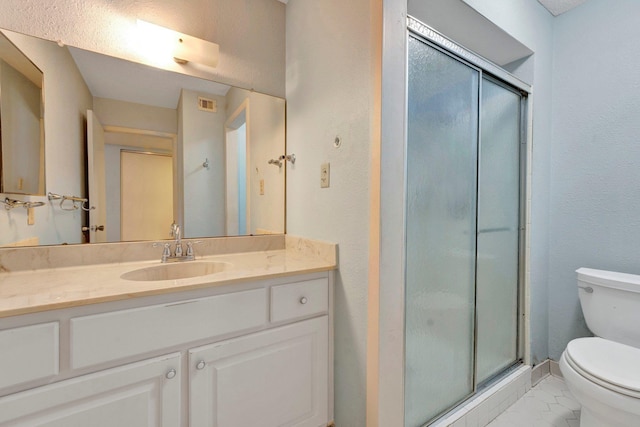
x=495 y=74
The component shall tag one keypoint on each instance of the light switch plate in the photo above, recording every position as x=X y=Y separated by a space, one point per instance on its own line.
x=324 y=175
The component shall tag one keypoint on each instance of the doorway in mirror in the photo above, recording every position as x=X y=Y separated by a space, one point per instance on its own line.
x=237 y=215
x=146 y=195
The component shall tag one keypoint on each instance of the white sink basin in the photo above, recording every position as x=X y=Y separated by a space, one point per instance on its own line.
x=182 y=270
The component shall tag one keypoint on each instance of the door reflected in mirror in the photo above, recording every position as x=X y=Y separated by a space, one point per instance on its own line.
x=146 y=194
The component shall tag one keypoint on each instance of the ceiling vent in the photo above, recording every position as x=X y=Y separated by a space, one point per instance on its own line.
x=206 y=104
x=558 y=7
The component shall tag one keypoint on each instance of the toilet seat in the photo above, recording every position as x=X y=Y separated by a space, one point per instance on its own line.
x=609 y=364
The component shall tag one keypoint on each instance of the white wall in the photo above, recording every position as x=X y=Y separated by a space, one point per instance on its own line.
x=250 y=33
x=531 y=24
x=202 y=138
x=329 y=93
x=66 y=100
x=595 y=196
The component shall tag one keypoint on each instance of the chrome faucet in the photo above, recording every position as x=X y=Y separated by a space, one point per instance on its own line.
x=175 y=232
x=178 y=252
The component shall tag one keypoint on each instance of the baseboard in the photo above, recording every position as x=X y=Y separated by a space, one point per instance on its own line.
x=540 y=372
x=555 y=369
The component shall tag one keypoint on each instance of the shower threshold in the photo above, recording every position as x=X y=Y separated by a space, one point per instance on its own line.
x=491 y=399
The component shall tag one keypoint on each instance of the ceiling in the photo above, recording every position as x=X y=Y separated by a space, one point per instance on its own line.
x=557 y=7
x=114 y=78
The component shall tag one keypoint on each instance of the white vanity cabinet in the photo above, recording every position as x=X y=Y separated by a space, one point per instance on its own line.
x=273 y=378
x=247 y=354
x=144 y=394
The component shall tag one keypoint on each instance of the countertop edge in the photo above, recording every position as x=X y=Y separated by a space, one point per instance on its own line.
x=153 y=292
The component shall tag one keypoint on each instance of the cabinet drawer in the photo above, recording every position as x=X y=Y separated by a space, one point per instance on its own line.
x=28 y=353
x=299 y=299
x=110 y=336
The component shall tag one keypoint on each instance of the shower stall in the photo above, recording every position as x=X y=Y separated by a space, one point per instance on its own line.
x=464 y=224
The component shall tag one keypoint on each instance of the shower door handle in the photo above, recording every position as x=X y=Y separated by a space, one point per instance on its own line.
x=494 y=230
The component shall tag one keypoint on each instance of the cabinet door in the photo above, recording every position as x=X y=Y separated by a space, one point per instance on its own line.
x=272 y=378
x=140 y=394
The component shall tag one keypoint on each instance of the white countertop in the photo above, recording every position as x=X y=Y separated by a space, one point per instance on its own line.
x=33 y=291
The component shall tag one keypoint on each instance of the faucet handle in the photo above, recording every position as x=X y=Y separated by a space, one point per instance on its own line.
x=178 y=249
x=190 y=248
x=166 y=251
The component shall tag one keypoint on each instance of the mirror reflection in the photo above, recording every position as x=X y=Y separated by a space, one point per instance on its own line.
x=149 y=148
x=21 y=122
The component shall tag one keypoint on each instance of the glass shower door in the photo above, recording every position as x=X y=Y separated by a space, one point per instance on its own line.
x=462 y=230
x=442 y=148
x=498 y=230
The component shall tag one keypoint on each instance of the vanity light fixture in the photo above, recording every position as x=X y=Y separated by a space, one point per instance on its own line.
x=163 y=43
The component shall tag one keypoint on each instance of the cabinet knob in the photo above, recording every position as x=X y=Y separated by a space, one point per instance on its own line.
x=201 y=365
x=171 y=373
x=303 y=300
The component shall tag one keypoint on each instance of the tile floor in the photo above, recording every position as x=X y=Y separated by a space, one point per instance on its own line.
x=548 y=404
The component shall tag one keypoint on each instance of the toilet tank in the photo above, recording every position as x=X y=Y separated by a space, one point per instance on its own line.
x=611 y=304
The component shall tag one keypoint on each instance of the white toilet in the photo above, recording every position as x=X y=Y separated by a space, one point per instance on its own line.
x=603 y=372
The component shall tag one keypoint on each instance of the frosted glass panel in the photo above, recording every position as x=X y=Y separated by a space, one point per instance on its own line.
x=441 y=232
x=498 y=204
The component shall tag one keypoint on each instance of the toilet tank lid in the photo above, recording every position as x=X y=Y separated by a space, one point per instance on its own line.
x=609 y=361
x=609 y=279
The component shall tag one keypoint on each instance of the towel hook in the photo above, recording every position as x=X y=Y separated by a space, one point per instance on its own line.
x=276 y=162
x=88 y=208
x=74 y=202
x=13 y=203
x=289 y=157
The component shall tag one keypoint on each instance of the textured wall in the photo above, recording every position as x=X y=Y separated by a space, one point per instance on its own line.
x=250 y=32
x=329 y=94
x=595 y=190
x=531 y=24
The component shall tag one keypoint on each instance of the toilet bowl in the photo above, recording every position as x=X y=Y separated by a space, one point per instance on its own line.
x=604 y=376
x=603 y=372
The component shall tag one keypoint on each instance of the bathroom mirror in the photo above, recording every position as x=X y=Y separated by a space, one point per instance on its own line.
x=147 y=147
x=21 y=122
